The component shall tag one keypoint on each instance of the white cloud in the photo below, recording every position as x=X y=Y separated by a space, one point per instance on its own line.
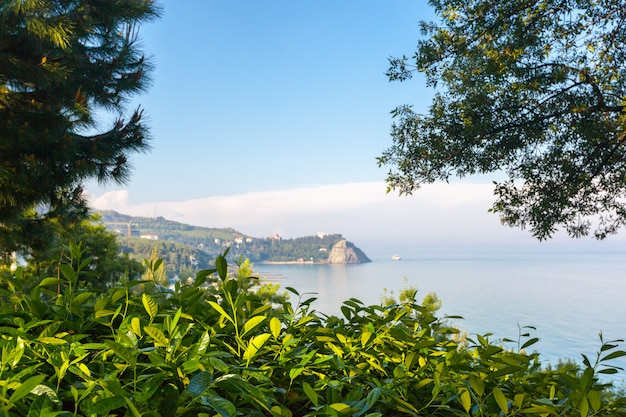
x=443 y=215
x=357 y=208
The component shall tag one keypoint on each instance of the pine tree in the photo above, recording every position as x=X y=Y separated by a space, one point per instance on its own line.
x=64 y=65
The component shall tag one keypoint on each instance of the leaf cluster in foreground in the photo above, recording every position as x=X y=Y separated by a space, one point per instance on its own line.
x=137 y=351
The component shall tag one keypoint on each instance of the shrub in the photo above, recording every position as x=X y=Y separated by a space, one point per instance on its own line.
x=76 y=352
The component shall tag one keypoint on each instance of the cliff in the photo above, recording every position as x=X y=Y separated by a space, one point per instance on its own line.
x=344 y=252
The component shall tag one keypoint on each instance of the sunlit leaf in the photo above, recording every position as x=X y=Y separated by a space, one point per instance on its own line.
x=51 y=340
x=500 y=399
x=256 y=343
x=220 y=310
x=275 y=327
x=50 y=281
x=252 y=323
x=157 y=335
x=26 y=387
x=465 y=399
x=150 y=305
x=340 y=407
x=281 y=411
x=135 y=325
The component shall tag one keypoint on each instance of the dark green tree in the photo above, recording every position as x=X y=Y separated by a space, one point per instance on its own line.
x=533 y=89
x=66 y=66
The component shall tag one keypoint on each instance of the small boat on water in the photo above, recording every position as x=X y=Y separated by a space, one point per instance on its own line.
x=396 y=258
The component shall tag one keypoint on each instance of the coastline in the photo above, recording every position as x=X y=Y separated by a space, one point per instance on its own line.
x=290 y=263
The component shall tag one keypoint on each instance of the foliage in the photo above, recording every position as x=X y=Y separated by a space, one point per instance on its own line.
x=77 y=352
x=181 y=261
x=106 y=267
x=206 y=243
x=531 y=88
x=64 y=66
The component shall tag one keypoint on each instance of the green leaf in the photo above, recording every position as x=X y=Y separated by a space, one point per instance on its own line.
x=256 y=343
x=293 y=291
x=530 y=342
x=124 y=353
x=104 y=313
x=295 y=371
x=132 y=407
x=221 y=405
x=220 y=310
x=150 y=305
x=365 y=337
x=310 y=393
x=281 y=411
x=135 y=325
x=613 y=355
x=583 y=407
x=172 y=326
x=594 y=399
x=201 y=276
x=51 y=340
x=477 y=385
x=50 y=281
x=80 y=298
x=500 y=400
x=340 y=407
x=275 y=327
x=200 y=383
x=44 y=390
x=25 y=388
x=157 y=335
x=252 y=323
x=222 y=267
x=68 y=273
x=105 y=405
x=465 y=399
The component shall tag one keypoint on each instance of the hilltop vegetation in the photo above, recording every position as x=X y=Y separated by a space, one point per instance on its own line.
x=187 y=249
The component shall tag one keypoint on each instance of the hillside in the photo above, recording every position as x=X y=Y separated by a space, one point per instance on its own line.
x=186 y=248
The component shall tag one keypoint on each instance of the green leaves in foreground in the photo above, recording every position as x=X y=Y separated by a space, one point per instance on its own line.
x=187 y=352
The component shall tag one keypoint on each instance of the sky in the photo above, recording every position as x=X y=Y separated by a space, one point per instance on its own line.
x=267 y=117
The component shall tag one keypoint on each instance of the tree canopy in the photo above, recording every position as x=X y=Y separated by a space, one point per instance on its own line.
x=532 y=89
x=65 y=67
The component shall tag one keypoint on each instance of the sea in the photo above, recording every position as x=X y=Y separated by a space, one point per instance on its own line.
x=569 y=298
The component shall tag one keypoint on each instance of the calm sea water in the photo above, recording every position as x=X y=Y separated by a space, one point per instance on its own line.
x=569 y=297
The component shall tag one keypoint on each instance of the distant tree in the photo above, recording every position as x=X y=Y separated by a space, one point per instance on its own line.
x=534 y=89
x=64 y=65
x=107 y=265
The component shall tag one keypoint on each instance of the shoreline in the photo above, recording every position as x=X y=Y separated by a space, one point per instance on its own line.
x=290 y=263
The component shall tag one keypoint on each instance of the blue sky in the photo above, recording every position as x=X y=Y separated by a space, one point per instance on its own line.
x=268 y=117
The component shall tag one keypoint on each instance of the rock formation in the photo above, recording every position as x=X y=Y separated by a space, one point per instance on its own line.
x=344 y=252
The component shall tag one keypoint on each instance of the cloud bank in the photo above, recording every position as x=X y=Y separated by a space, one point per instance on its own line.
x=438 y=216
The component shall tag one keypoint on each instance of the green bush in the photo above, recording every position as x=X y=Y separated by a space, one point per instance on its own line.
x=68 y=351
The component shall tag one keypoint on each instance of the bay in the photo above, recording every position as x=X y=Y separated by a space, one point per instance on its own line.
x=569 y=297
